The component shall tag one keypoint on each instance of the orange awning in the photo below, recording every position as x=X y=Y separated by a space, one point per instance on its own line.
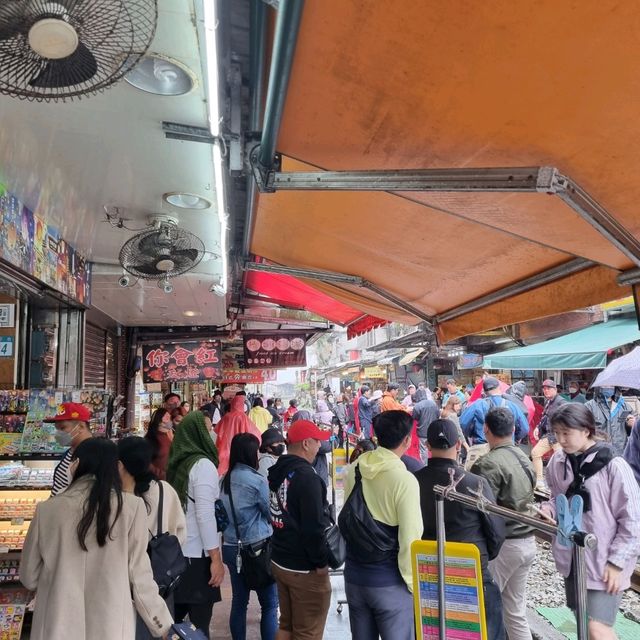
x=405 y=84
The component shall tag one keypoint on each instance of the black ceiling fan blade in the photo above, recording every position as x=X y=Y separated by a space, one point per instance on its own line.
x=12 y=21
x=75 y=69
x=185 y=254
x=148 y=269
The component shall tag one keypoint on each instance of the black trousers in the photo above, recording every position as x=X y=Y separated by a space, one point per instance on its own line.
x=194 y=596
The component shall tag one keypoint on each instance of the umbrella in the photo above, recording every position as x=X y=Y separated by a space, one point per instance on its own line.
x=622 y=372
x=478 y=391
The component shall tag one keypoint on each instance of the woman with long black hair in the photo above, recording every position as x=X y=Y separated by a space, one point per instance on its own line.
x=137 y=478
x=85 y=555
x=250 y=494
x=160 y=436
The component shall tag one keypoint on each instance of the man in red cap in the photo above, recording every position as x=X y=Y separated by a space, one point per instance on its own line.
x=72 y=427
x=299 y=513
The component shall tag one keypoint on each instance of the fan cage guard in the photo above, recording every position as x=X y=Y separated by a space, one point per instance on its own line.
x=131 y=255
x=114 y=35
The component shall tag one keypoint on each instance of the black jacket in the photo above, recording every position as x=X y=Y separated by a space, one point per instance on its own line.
x=298 y=532
x=424 y=413
x=277 y=418
x=462 y=523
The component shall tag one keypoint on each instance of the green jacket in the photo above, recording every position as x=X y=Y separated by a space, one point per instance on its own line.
x=504 y=469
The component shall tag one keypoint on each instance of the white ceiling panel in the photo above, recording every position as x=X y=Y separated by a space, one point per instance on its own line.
x=68 y=161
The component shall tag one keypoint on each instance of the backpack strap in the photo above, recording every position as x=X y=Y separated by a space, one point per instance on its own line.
x=233 y=512
x=526 y=469
x=160 y=504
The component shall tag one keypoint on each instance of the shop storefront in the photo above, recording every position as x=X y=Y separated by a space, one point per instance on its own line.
x=577 y=356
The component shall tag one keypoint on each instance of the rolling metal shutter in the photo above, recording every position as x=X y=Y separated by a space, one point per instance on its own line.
x=95 y=356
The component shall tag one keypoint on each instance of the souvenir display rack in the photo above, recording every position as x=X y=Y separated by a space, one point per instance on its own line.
x=28 y=455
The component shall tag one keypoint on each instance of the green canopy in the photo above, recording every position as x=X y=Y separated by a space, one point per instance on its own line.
x=584 y=349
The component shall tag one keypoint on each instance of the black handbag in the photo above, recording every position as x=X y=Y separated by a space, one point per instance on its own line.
x=336 y=546
x=369 y=541
x=167 y=560
x=253 y=561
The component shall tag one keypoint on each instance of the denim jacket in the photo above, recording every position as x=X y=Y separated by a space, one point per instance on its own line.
x=251 y=501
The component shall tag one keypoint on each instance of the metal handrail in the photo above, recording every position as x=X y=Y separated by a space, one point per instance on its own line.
x=478 y=501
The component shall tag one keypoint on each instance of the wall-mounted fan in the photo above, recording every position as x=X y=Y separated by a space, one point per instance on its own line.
x=59 y=49
x=162 y=252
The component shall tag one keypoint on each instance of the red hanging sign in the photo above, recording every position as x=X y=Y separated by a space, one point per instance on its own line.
x=176 y=362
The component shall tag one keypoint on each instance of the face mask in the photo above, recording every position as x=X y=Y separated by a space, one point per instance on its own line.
x=277 y=449
x=607 y=393
x=64 y=438
x=573 y=391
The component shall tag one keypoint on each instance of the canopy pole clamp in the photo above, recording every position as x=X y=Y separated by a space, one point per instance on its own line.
x=265 y=178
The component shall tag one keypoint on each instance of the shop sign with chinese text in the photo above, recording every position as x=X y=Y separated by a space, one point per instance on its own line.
x=181 y=361
x=277 y=352
x=374 y=372
x=248 y=376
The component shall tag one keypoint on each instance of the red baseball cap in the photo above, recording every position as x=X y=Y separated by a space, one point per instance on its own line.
x=70 y=411
x=303 y=429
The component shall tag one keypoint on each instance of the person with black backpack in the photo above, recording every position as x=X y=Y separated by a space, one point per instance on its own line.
x=164 y=511
x=379 y=521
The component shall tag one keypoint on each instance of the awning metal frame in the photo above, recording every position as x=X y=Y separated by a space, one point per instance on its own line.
x=339 y=278
x=480 y=180
x=485 y=180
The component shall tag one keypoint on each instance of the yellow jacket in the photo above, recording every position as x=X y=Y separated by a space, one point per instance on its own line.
x=393 y=497
x=261 y=418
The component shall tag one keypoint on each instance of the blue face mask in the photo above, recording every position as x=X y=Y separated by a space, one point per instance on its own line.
x=607 y=393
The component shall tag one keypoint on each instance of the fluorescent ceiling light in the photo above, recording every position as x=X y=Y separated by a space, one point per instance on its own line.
x=211 y=44
x=186 y=200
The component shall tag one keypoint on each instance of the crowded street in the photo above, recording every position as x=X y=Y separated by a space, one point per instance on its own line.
x=319 y=320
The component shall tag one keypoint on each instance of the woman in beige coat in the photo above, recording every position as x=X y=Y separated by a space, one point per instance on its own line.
x=85 y=555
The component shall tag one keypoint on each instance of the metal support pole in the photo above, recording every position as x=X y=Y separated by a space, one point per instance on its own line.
x=590 y=210
x=580 y=586
x=510 y=179
x=284 y=45
x=440 y=539
x=580 y=540
x=257 y=53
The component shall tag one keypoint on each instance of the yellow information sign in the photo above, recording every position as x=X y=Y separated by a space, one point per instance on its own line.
x=464 y=596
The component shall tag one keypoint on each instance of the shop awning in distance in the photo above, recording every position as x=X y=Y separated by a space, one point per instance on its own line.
x=584 y=349
x=288 y=291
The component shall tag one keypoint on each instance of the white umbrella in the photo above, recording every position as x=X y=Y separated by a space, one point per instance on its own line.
x=622 y=372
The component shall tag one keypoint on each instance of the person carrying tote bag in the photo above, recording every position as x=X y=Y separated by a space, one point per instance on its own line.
x=247 y=539
x=192 y=473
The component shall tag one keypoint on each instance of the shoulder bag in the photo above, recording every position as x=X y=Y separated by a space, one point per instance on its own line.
x=167 y=561
x=368 y=541
x=253 y=561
